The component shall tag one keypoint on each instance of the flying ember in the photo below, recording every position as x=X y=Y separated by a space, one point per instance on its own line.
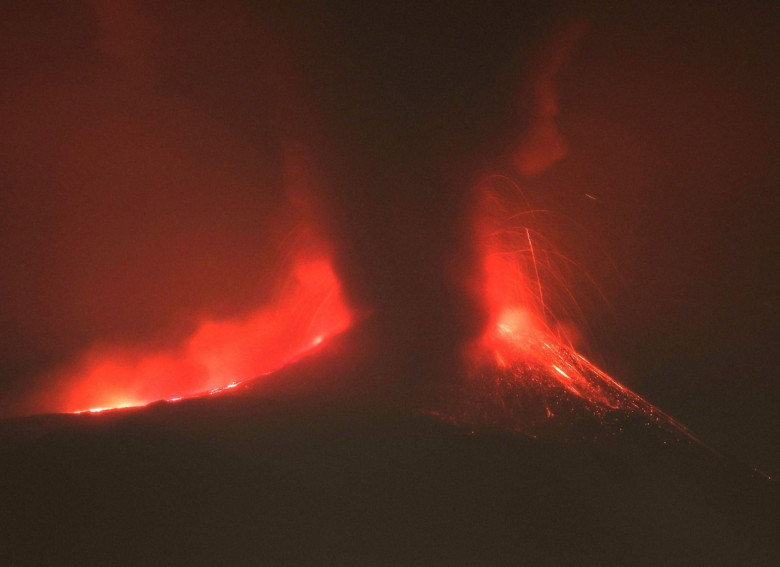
x=527 y=374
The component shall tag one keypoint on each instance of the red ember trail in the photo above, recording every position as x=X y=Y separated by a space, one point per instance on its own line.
x=527 y=374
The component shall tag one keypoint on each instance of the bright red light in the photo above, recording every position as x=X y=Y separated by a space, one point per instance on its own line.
x=309 y=310
x=526 y=371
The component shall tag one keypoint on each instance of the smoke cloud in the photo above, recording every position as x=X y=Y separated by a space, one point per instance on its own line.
x=542 y=144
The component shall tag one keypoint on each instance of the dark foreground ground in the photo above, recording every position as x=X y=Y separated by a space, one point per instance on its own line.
x=241 y=481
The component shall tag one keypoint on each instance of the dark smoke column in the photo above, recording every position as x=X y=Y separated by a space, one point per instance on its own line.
x=416 y=103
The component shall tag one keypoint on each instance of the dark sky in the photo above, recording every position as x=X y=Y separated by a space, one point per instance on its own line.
x=671 y=116
x=143 y=164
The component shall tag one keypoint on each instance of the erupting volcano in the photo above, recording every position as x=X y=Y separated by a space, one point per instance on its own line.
x=520 y=372
x=301 y=283
x=526 y=372
x=466 y=323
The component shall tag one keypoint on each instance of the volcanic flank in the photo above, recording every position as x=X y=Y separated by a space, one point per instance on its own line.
x=302 y=307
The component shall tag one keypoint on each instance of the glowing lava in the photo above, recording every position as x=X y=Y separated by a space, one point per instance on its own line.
x=309 y=310
x=527 y=374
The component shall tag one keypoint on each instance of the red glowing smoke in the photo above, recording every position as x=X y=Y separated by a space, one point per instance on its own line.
x=155 y=219
x=307 y=312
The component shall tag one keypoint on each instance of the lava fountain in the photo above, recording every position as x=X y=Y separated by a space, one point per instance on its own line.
x=526 y=374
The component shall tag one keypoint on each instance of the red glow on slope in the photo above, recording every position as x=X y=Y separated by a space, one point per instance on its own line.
x=528 y=374
x=523 y=336
x=512 y=292
x=309 y=310
x=517 y=333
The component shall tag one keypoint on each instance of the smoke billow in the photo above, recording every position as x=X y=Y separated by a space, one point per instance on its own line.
x=542 y=144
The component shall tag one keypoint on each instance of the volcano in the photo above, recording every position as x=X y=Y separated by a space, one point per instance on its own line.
x=301 y=283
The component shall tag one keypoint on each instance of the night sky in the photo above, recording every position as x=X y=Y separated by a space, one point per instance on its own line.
x=143 y=179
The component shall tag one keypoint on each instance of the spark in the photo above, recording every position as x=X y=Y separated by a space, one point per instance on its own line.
x=561 y=372
x=536 y=268
x=520 y=354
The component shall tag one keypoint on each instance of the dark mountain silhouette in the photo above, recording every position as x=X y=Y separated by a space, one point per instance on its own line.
x=309 y=467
